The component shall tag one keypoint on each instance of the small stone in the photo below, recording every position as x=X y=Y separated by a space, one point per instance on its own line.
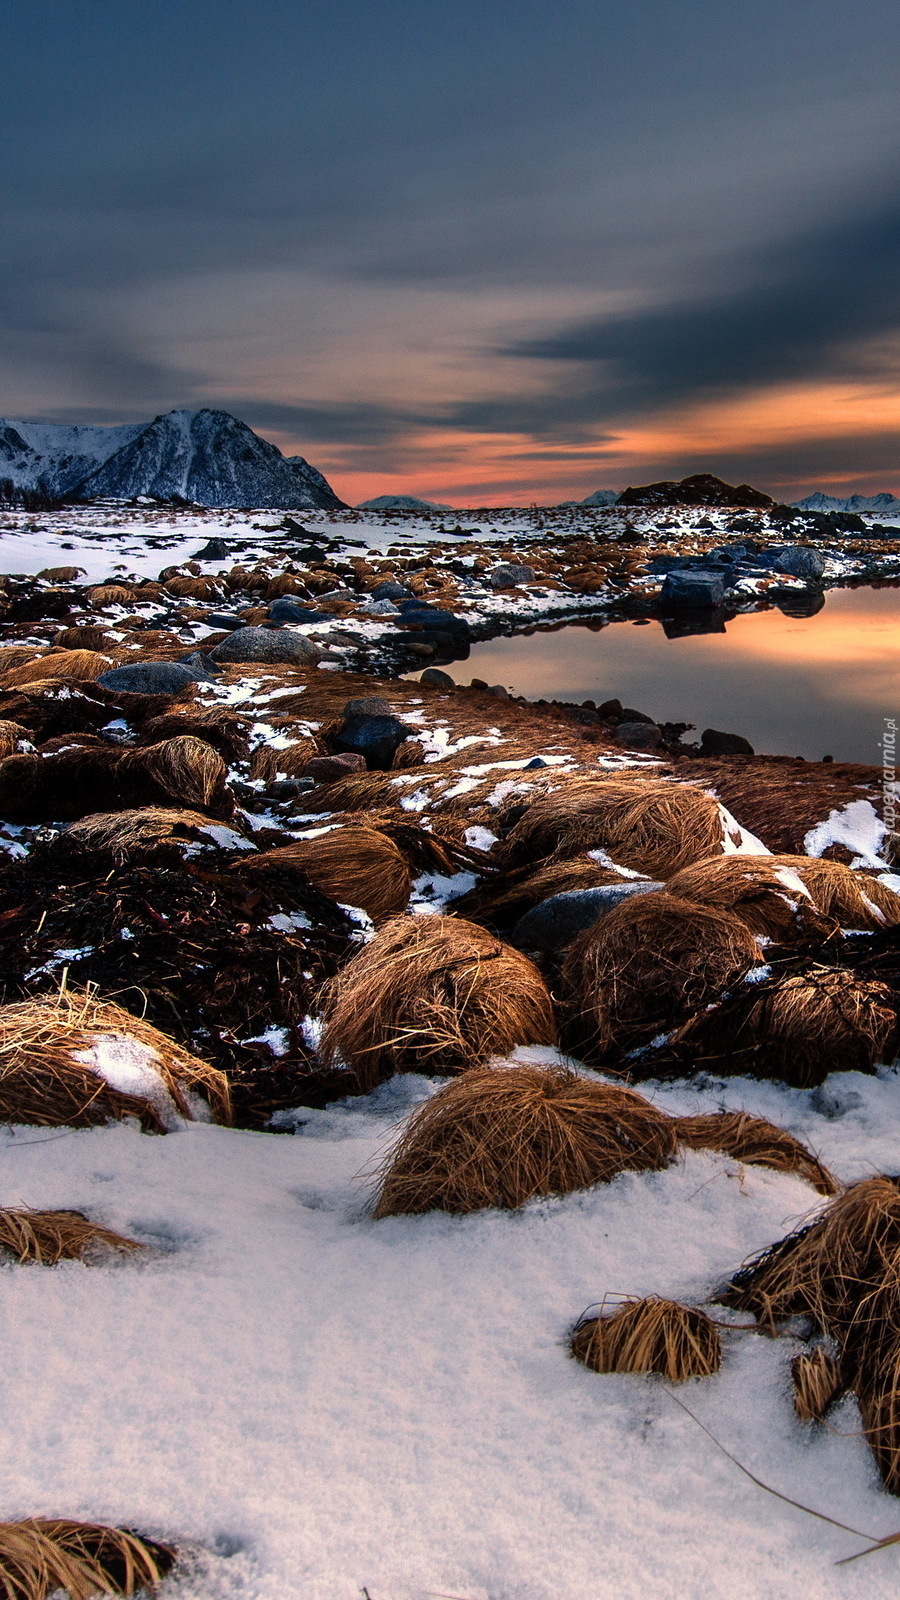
x=328 y=769
x=478 y=683
x=535 y=765
x=509 y=574
x=436 y=679
x=213 y=550
x=499 y=691
x=799 y=561
x=225 y=619
x=389 y=589
x=628 y=714
x=610 y=711
x=377 y=738
x=265 y=644
x=288 y=609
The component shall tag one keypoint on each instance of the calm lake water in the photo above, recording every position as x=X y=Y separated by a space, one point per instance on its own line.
x=806 y=686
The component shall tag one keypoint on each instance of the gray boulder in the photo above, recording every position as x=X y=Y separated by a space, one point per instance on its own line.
x=225 y=619
x=267 y=645
x=799 y=561
x=698 y=590
x=436 y=679
x=152 y=677
x=554 y=923
x=638 y=735
x=715 y=743
x=508 y=574
x=390 y=589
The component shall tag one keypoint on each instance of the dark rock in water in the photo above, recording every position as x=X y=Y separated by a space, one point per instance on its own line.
x=430 y=617
x=376 y=738
x=509 y=574
x=638 y=735
x=800 y=603
x=213 y=550
x=265 y=644
x=714 y=743
x=389 y=589
x=556 y=922
x=686 y=591
x=204 y=666
x=701 y=489
x=685 y=624
x=225 y=619
x=327 y=769
x=367 y=705
x=287 y=609
x=436 y=679
x=151 y=677
x=799 y=561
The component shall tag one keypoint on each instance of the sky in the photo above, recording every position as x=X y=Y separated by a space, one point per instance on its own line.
x=487 y=253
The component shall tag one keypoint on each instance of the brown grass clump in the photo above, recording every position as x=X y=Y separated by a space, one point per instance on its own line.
x=503 y=1135
x=436 y=995
x=46 y=1237
x=132 y=835
x=77 y=782
x=110 y=594
x=79 y=666
x=11 y=735
x=362 y=791
x=195 y=588
x=216 y=725
x=818 y=1382
x=829 y=1269
x=268 y=762
x=357 y=866
x=648 y=825
x=756 y=1142
x=89 y=636
x=797 y=1028
x=509 y=895
x=751 y=887
x=851 y=898
x=43 y=1081
x=41 y=1556
x=648 y=963
x=653 y=1335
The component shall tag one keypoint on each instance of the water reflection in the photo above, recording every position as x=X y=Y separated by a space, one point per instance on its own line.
x=801 y=679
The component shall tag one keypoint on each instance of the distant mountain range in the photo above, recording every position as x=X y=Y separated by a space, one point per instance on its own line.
x=873 y=505
x=400 y=502
x=208 y=458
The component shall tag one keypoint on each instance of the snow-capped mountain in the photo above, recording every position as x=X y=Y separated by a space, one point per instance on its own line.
x=600 y=497
x=206 y=457
x=875 y=505
x=400 y=502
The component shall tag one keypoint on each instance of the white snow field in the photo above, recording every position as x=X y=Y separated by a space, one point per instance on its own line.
x=325 y=1406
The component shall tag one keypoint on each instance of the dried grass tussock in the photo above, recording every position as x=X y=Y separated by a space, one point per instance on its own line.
x=500 y=1136
x=63 y=1057
x=79 y=666
x=436 y=995
x=648 y=963
x=651 y=826
x=77 y=782
x=653 y=1335
x=46 y=1237
x=769 y=897
x=356 y=866
x=756 y=1142
x=851 y=898
x=41 y=1556
x=11 y=735
x=818 y=1382
x=798 y=1028
x=129 y=835
x=187 y=769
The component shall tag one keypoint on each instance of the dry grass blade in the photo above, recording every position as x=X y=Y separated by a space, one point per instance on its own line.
x=818 y=1383
x=42 y=1555
x=757 y=1142
x=51 y=1051
x=647 y=824
x=436 y=995
x=46 y=1237
x=503 y=1135
x=652 y=1335
x=353 y=865
x=648 y=963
